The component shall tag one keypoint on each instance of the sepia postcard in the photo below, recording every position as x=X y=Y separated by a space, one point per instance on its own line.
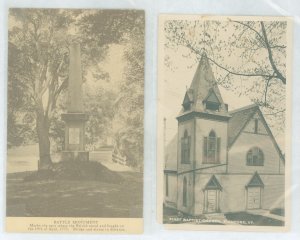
x=224 y=122
x=75 y=121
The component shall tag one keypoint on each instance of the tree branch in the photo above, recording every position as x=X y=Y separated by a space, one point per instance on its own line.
x=275 y=113
x=251 y=28
x=278 y=74
x=264 y=39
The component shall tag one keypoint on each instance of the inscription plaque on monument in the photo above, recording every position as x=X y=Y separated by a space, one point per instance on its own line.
x=74 y=135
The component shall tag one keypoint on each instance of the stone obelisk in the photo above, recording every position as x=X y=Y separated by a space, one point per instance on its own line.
x=75 y=118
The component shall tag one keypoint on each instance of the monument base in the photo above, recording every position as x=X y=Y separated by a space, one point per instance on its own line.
x=75 y=156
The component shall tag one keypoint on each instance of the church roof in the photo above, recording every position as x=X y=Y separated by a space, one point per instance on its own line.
x=203 y=84
x=213 y=183
x=255 y=181
x=237 y=122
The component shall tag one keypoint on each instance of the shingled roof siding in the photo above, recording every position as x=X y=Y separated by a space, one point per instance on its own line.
x=238 y=121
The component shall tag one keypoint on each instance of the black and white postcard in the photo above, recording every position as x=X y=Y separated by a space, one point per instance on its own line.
x=75 y=121
x=224 y=122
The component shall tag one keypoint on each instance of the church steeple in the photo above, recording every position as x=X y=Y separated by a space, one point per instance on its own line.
x=204 y=94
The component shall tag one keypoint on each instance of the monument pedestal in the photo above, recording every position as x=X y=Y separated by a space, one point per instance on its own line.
x=74 y=137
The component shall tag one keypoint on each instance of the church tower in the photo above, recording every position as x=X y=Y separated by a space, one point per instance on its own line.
x=202 y=133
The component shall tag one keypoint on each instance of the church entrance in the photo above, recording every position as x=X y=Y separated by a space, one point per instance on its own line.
x=254 y=192
x=254 y=197
x=211 y=201
x=212 y=195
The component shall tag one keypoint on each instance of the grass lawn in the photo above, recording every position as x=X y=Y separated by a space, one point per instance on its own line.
x=257 y=220
x=75 y=198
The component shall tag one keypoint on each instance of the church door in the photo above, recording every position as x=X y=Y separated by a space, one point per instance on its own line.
x=254 y=197
x=212 y=201
x=212 y=195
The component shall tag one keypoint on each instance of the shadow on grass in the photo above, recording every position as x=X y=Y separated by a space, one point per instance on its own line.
x=278 y=211
x=72 y=192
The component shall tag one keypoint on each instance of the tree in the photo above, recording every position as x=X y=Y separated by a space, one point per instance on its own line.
x=101 y=114
x=249 y=57
x=41 y=37
x=18 y=121
x=128 y=104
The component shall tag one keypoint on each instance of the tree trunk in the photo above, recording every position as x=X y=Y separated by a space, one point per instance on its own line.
x=42 y=127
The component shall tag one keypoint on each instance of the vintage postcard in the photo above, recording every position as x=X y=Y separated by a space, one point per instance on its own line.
x=75 y=121
x=224 y=118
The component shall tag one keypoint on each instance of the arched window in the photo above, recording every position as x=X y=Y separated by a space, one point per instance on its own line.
x=211 y=148
x=185 y=148
x=184 y=192
x=255 y=157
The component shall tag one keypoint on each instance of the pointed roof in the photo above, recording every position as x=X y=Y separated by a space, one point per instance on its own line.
x=237 y=122
x=255 y=181
x=203 y=84
x=212 y=96
x=188 y=98
x=240 y=118
x=213 y=183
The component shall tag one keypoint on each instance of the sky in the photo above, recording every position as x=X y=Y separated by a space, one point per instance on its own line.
x=177 y=78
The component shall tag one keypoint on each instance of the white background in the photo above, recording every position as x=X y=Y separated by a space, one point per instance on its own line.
x=152 y=230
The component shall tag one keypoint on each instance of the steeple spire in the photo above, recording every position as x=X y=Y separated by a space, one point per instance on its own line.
x=203 y=88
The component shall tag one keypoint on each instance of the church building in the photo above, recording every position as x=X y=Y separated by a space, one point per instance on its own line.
x=220 y=160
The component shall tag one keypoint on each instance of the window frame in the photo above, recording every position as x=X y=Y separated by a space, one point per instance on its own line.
x=213 y=106
x=255 y=157
x=185 y=148
x=212 y=145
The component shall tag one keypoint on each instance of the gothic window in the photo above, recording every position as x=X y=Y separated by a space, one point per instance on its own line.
x=255 y=157
x=211 y=148
x=184 y=192
x=185 y=148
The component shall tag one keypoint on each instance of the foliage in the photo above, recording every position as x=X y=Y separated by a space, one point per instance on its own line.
x=130 y=104
x=124 y=107
x=21 y=129
x=249 y=57
x=38 y=74
x=100 y=111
